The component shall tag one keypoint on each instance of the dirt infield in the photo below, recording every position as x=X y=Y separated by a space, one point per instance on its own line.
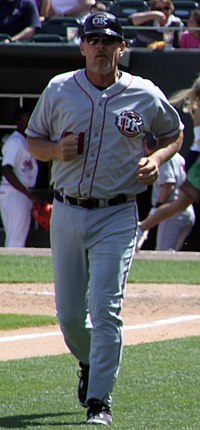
x=151 y=312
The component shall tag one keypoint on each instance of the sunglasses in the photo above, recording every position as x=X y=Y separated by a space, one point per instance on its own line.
x=93 y=39
x=166 y=8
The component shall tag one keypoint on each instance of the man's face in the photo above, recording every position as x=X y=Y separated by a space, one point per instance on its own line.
x=102 y=52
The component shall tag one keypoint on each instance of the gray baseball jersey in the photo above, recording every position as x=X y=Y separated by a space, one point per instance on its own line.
x=112 y=120
x=95 y=247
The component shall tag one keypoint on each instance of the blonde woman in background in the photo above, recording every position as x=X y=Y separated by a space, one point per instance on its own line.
x=189 y=100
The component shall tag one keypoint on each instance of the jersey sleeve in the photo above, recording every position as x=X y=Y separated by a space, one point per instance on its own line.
x=43 y=122
x=166 y=123
x=38 y=125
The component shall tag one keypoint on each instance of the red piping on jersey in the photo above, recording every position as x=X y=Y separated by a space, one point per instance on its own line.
x=89 y=138
x=104 y=115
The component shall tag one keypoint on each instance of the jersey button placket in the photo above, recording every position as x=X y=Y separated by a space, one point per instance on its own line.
x=94 y=147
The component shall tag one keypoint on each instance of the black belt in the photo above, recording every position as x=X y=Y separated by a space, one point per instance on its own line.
x=91 y=203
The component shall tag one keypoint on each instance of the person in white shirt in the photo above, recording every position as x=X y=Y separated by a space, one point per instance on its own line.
x=76 y=8
x=173 y=231
x=19 y=170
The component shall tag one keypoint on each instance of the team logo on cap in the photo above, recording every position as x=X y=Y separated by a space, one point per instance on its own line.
x=129 y=123
x=100 y=21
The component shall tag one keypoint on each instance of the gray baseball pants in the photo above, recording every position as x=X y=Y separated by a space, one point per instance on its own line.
x=92 y=252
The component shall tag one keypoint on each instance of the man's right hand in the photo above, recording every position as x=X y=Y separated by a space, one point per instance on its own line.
x=67 y=148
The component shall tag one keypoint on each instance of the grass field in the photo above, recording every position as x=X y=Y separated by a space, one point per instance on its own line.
x=158 y=386
x=15 y=321
x=40 y=269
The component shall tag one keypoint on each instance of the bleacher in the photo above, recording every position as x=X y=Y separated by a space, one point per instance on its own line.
x=184 y=7
x=63 y=29
x=67 y=29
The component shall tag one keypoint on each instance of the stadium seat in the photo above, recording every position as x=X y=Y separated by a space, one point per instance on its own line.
x=124 y=8
x=109 y=3
x=47 y=38
x=60 y=24
x=183 y=8
x=129 y=34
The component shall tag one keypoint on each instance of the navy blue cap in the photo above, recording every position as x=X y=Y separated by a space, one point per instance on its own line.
x=102 y=22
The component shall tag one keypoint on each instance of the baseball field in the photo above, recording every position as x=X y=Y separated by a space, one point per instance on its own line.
x=159 y=381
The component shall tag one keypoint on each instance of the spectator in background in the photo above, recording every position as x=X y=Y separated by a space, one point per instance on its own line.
x=19 y=170
x=42 y=9
x=78 y=8
x=172 y=232
x=189 y=194
x=73 y=33
x=161 y=16
x=19 y=19
x=191 y=38
x=188 y=100
x=98 y=7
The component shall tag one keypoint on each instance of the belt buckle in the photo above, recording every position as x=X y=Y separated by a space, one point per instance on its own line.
x=64 y=198
x=80 y=201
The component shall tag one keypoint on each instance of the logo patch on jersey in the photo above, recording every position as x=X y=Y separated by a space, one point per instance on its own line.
x=99 y=21
x=129 y=123
x=27 y=165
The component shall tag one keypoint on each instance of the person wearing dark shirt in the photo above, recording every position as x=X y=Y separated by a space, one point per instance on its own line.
x=160 y=17
x=19 y=19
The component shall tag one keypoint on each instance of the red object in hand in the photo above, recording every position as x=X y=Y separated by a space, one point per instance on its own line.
x=80 y=141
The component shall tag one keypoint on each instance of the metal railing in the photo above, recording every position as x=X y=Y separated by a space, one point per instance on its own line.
x=164 y=28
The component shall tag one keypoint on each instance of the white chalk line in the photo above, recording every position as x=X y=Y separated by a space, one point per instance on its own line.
x=32 y=336
x=153 y=324
x=35 y=293
x=158 y=323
